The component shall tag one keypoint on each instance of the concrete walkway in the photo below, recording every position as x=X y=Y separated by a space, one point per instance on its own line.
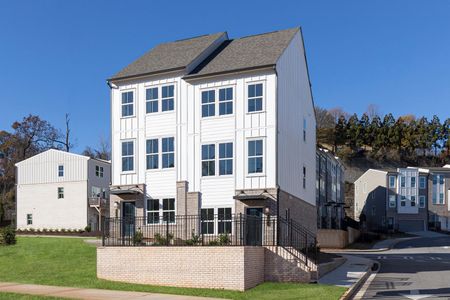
x=80 y=293
x=349 y=273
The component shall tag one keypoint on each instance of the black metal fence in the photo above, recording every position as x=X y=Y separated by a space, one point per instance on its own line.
x=209 y=230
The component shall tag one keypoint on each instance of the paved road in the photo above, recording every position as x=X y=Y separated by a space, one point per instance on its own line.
x=414 y=269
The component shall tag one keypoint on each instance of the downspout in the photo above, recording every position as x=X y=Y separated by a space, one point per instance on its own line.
x=276 y=157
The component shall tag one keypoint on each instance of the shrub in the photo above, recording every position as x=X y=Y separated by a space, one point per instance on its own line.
x=213 y=243
x=162 y=241
x=88 y=228
x=223 y=239
x=195 y=239
x=138 y=238
x=7 y=236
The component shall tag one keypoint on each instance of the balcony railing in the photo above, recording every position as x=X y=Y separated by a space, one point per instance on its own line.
x=209 y=230
x=97 y=201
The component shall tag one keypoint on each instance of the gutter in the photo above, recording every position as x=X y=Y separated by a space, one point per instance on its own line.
x=242 y=70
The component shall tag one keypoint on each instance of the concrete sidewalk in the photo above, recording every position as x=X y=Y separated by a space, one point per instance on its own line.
x=348 y=273
x=80 y=293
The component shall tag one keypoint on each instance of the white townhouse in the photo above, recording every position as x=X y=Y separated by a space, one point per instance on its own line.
x=212 y=125
x=61 y=190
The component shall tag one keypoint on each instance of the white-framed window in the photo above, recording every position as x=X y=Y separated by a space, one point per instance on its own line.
x=226 y=101
x=207 y=220
x=403 y=181
x=168 y=152
x=413 y=200
x=29 y=219
x=60 y=193
x=225 y=158
x=255 y=156
x=304 y=129
x=255 y=97
x=438 y=189
x=127 y=156
x=422 y=182
x=304 y=177
x=413 y=182
x=152 y=211
x=167 y=99
x=60 y=171
x=159 y=211
x=152 y=149
x=151 y=100
x=224 y=220
x=209 y=160
x=127 y=104
x=392 y=201
x=403 y=201
x=168 y=206
x=99 y=171
x=422 y=201
x=208 y=103
x=392 y=180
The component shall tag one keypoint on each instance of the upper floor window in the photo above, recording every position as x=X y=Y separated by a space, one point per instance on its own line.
x=60 y=193
x=413 y=200
x=392 y=200
x=392 y=181
x=422 y=201
x=127 y=156
x=403 y=181
x=255 y=156
x=208 y=160
x=304 y=177
x=152 y=154
x=226 y=159
x=422 y=182
x=413 y=182
x=167 y=102
x=98 y=171
x=151 y=100
x=403 y=201
x=208 y=103
x=127 y=104
x=226 y=101
x=304 y=129
x=60 y=171
x=255 y=97
x=168 y=153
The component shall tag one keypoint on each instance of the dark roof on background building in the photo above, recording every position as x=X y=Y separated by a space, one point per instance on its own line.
x=251 y=52
x=256 y=51
x=169 y=56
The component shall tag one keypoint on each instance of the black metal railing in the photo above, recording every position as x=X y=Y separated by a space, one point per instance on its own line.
x=210 y=230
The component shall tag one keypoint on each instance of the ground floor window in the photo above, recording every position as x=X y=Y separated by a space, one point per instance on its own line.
x=216 y=221
x=60 y=193
x=29 y=219
x=160 y=210
x=224 y=220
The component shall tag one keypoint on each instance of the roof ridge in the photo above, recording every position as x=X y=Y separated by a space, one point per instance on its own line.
x=264 y=33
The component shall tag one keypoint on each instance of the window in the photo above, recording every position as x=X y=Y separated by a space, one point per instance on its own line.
x=413 y=182
x=98 y=171
x=441 y=179
x=207 y=220
x=127 y=156
x=168 y=155
x=224 y=220
x=60 y=171
x=169 y=210
x=403 y=201
x=422 y=182
x=167 y=102
x=60 y=193
x=225 y=101
x=226 y=159
x=403 y=181
x=152 y=211
x=304 y=129
x=208 y=103
x=127 y=104
x=392 y=200
x=304 y=177
x=255 y=94
x=255 y=156
x=413 y=200
x=422 y=201
x=96 y=192
x=152 y=154
x=151 y=98
x=441 y=198
x=208 y=160
x=392 y=181
x=29 y=219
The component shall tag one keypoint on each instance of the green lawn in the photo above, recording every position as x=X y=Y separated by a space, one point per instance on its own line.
x=71 y=262
x=13 y=296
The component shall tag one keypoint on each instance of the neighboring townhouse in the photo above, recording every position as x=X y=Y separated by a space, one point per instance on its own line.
x=61 y=190
x=330 y=190
x=215 y=126
x=438 y=195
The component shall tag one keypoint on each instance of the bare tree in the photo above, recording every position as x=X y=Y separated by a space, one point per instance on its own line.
x=338 y=112
x=372 y=111
x=102 y=151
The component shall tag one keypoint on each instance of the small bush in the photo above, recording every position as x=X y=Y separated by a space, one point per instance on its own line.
x=162 y=241
x=88 y=228
x=195 y=239
x=213 y=243
x=138 y=238
x=7 y=236
x=223 y=239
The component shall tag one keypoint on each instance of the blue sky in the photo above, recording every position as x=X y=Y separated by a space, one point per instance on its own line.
x=56 y=55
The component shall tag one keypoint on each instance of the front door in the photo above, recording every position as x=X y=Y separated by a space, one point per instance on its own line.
x=128 y=218
x=254 y=217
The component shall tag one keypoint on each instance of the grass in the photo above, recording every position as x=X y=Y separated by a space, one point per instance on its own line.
x=72 y=262
x=13 y=296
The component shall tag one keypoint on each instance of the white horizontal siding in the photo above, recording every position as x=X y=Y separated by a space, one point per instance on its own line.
x=161 y=183
x=218 y=192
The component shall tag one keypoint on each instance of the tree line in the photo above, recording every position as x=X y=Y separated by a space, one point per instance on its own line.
x=406 y=137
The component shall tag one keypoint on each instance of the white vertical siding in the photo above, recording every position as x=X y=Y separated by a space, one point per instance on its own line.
x=295 y=104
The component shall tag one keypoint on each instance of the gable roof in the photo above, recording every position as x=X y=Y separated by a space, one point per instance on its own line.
x=169 y=56
x=251 y=52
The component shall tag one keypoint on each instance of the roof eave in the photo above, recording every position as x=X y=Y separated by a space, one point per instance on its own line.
x=242 y=70
x=113 y=79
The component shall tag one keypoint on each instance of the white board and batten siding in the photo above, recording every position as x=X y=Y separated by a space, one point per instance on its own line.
x=295 y=104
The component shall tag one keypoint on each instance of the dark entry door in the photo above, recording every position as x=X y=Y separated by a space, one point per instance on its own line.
x=128 y=217
x=254 y=217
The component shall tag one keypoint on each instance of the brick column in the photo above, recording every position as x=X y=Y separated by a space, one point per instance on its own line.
x=182 y=189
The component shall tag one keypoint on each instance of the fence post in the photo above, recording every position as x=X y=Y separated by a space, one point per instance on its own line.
x=241 y=230
x=103 y=231
x=167 y=230
x=306 y=247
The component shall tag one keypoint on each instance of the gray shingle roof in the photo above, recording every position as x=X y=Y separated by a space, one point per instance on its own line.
x=246 y=53
x=169 y=56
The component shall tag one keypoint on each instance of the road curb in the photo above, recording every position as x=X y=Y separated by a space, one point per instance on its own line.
x=355 y=287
